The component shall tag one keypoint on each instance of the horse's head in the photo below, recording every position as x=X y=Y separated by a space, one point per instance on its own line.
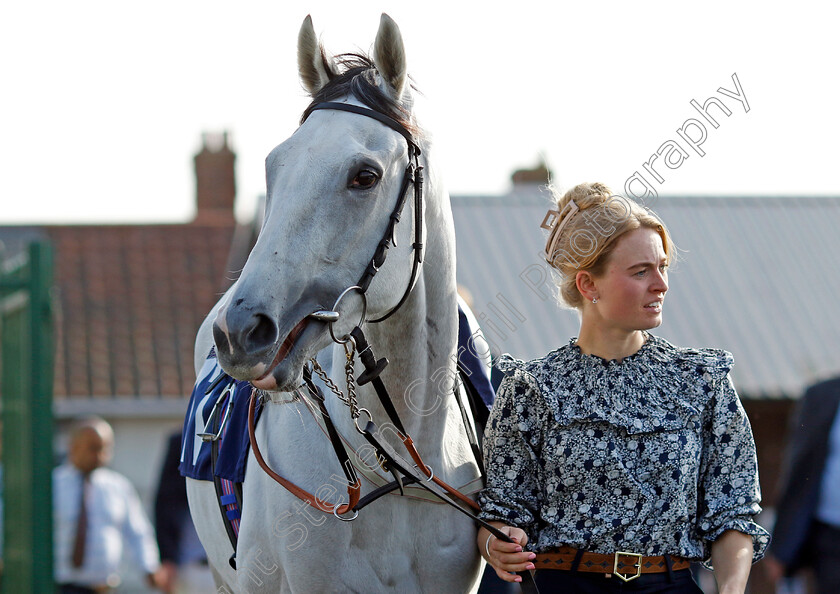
x=331 y=190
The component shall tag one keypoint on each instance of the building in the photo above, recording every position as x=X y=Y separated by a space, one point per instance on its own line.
x=127 y=304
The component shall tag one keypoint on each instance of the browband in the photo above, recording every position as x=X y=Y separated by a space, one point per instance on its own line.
x=387 y=120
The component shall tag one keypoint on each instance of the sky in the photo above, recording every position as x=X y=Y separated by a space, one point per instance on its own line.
x=105 y=102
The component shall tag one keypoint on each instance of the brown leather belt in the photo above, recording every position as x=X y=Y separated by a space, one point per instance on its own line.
x=626 y=566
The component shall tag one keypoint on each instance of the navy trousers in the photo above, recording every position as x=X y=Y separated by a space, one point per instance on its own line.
x=826 y=544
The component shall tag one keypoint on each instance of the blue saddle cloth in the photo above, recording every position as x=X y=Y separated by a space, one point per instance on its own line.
x=233 y=451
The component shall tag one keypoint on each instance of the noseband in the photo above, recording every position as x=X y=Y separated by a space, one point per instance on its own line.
x=413 y=177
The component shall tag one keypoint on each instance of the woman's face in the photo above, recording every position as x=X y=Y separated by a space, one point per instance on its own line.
x=632 y=289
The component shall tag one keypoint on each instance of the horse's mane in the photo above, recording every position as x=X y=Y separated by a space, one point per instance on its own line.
x=354 y=74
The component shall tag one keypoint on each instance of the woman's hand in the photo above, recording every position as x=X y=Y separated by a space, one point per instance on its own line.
x=507 y=558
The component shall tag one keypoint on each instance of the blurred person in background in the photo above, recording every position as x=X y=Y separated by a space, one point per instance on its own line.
x=183 y=560
x=807 y=529
x=97 y=515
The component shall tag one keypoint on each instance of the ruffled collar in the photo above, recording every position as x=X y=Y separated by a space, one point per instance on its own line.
x=573 y=343
x=658 y=387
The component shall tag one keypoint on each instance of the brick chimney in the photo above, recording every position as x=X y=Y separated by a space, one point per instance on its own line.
x=540 y=174
x=215 y=181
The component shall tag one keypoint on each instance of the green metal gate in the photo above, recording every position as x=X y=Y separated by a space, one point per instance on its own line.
x=26 y=382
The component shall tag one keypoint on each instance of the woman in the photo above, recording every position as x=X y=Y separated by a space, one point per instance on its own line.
x=618 y=458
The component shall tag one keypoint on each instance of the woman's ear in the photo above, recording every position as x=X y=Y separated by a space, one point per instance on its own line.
x=586 y=284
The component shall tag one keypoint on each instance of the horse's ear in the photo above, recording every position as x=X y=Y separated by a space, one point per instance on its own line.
x=389 y=55
x=313 y=65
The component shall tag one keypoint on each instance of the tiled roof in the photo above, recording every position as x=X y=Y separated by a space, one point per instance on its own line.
x=128 y=302
x=759 y=277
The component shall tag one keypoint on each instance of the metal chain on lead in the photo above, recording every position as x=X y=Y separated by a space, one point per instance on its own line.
x=351 y=399
x=316 y=367
x=349 y=373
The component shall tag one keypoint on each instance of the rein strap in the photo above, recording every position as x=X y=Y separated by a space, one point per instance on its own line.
x=371 y=374
x=353 y=488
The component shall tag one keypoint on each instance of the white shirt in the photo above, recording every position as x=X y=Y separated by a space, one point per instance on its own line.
x=115 y=520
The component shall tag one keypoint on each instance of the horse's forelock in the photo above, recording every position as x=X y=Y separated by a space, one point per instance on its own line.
x=357 y=77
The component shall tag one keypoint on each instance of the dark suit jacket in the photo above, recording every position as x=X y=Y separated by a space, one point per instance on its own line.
x=171 y=507
x=807 y=451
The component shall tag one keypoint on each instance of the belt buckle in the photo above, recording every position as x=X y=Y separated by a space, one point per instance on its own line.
x=637 y=565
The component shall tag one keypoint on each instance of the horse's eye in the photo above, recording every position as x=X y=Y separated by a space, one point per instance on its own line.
x=364 y=180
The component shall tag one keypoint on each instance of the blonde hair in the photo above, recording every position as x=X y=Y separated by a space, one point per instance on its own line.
x=587 y=224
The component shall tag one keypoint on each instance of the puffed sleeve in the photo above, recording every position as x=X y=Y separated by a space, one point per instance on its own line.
x=729 y=490
x=512 y=444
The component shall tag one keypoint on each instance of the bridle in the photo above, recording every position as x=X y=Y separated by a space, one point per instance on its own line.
x=405 y=472
x=413 y=177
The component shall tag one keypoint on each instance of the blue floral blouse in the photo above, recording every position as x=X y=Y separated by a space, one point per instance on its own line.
x=652 y=455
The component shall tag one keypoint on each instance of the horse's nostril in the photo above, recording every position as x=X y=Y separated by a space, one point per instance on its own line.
x=262 y=334
x=221 y=339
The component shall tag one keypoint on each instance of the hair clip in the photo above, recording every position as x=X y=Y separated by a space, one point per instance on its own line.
x=552 y=216
x=551 y=223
